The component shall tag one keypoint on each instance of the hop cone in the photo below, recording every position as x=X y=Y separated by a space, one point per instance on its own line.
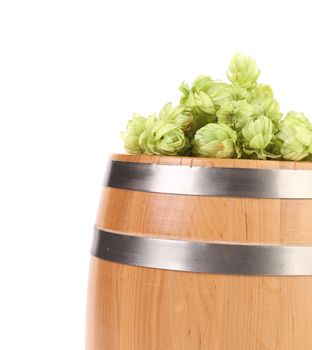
x=205 y=95
x=161 y=137
x=235 y=113
x=268 y=107
x=148 y=129
x=243 y=71
x=257 y=135
x=215 y=140
x=180 y=115
x=131 y=136
x=261 y=91
x=295 y=132
x=238 y=93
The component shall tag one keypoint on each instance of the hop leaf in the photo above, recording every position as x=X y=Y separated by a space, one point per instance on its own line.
x=131 y=136
x=215 y=140
x=243 y=71
x=295 y=132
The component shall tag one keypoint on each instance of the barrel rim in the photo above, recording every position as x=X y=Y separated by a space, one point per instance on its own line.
x=211 y=162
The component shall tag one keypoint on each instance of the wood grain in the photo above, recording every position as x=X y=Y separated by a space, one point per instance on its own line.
x=135 y=308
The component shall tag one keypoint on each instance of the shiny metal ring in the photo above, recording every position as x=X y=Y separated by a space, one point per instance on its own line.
x=216 y=182
x=199 y=256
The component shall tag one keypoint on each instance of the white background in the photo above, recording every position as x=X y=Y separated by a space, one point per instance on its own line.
x=71 y=74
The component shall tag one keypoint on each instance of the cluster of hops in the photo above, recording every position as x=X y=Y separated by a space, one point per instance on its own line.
x=240 y=119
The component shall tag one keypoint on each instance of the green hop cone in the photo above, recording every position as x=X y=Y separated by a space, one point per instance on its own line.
x=148 y=128
x=180 y=115
x=215 y=141
x=201 y=83
x=200 y=103
x=195 y=98
x=131 y=136
x=223 y=120
x=298 y=118
x=261 y=91
x=161 y=137
x=238 y=93
x=268 y=107
x=205 y=95
x=235 y=113
x=295 y=133
x=218 y=92
x=257 y=136
x=243 y=71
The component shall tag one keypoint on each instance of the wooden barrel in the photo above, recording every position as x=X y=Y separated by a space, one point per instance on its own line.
x=198 y=254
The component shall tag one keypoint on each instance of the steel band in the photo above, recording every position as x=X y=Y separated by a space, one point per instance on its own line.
x=204 y=181
x=198 y=256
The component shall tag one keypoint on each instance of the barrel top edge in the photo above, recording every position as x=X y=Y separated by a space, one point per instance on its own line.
x=211 y=162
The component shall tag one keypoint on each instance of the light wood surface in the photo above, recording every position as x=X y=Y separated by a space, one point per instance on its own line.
x=134 y=308
x=212 y=162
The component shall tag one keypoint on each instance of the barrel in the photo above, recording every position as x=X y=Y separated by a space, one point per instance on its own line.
x=199 y=254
